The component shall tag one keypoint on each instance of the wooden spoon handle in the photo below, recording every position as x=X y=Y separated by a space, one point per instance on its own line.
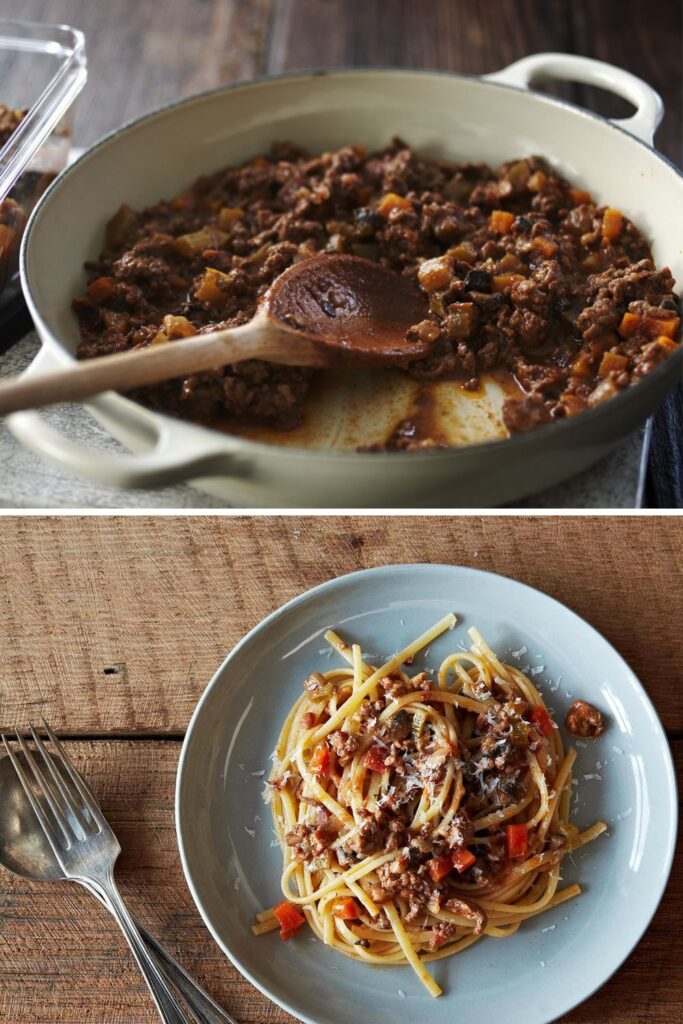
x=138 y=367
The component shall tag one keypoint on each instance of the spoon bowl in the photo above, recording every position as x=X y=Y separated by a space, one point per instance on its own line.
x=24 y=848
x=355 y=311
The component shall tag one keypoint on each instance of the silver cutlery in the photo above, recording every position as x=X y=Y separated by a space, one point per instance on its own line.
x=52 y=829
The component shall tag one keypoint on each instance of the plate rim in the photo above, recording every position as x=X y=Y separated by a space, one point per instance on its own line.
x=439 y=567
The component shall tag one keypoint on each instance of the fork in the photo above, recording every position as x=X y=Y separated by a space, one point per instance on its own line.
x=86 y=849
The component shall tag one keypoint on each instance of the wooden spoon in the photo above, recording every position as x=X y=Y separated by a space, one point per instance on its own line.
x=325 y=311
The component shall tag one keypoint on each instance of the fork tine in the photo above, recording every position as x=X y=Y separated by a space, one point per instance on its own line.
x=84 y=791
x=41 y=782
x=68 y=810
x=58 y=780
x=46 y=825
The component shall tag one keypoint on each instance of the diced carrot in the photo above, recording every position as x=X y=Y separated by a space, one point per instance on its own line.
x=665 y=328
x=501 y=221
x=582 y=366
x=391 y=201
x=435 y=274
x=545 y=245
x=630 y=324
x=667 y=343
x=462 y=860
x=346 y=909
x=212 y=287
x=510 y=264
x=464 y=251
x=536 y=182
x=517 y=840
x=573 y=404
x=290 y=919
x=439 y=867
x=178 y=327
x=612 y=224
x=375 y=758
x=100 y=290
x=541 y=718
x=612 y=362
x=502 y=282
x=651 y=327
x=579 y=196
x=320 y=760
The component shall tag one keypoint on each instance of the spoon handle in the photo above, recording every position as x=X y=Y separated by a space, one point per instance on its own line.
x=138 y=367
x=200 y=1002
x=170 y=1010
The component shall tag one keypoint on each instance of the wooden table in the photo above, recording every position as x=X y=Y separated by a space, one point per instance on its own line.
x=146 y=52
x=111 y=627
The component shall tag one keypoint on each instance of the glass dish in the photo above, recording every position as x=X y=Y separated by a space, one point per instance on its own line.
x=42 y=70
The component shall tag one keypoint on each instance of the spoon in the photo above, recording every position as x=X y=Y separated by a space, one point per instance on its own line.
x=325 y=311
x=25 y=851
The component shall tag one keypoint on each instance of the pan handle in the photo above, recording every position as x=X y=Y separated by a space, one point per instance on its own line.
x=524 y=73
x=162 y=454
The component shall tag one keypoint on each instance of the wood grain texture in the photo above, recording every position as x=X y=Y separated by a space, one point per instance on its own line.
x=143 y=53
x=116 y=624
x=63 y=961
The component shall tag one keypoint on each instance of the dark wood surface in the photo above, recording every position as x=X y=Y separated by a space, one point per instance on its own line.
x=111 y=627
x=146 y=52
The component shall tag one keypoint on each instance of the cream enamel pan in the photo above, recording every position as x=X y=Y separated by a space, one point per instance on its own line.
x=492 y=119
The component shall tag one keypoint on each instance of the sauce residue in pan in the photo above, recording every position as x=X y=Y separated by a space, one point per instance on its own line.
x=373 y=410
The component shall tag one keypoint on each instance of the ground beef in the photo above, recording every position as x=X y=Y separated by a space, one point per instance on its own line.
x=344 y=745
x=584 y=720
x=10 y=120
x=523 y=273
x=309 y=841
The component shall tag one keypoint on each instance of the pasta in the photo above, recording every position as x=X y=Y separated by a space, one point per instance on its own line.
x=417 y=814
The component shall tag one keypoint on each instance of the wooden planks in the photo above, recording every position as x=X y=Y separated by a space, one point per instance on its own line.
x=115 y=625
x=62 y=957
x=140 y=57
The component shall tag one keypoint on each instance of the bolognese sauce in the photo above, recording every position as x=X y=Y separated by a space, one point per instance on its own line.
x=523 y=272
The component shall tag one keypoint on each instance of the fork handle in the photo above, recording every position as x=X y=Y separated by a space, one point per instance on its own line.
x=200 y=1002
x=168 y=1006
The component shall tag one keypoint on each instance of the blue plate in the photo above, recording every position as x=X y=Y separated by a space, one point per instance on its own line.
x=626 y=778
